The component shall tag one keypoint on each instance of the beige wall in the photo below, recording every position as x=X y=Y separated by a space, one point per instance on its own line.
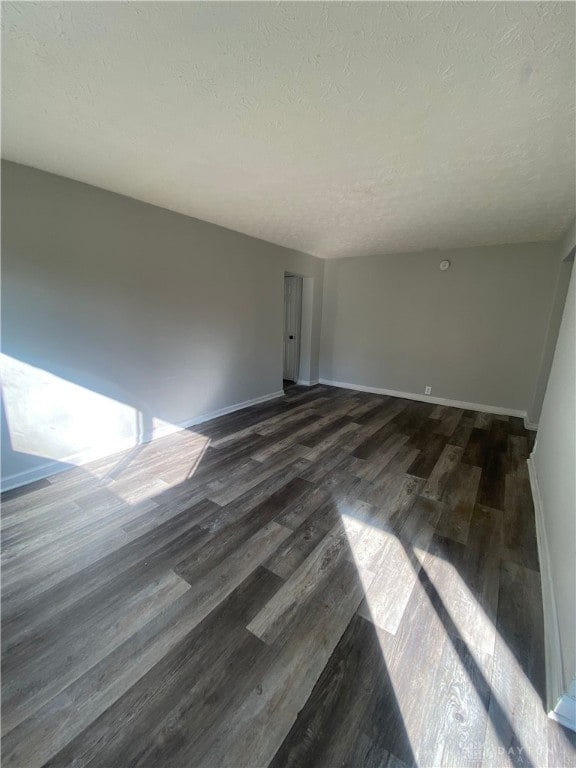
x=554 y=461
x=131 y=313
x=474 y=333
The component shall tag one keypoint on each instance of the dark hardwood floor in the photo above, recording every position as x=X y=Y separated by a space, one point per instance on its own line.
x=330 y=579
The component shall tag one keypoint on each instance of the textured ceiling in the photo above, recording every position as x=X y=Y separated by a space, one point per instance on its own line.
x=336 y=129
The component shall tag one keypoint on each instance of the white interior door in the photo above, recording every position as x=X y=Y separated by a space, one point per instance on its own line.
x=292 y=323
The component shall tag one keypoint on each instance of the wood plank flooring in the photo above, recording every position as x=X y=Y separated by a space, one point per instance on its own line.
x=330 y=579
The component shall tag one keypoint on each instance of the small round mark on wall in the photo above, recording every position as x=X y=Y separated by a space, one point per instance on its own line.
x=444 y=265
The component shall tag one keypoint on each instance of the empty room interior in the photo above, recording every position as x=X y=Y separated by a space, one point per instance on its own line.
x=288 y=384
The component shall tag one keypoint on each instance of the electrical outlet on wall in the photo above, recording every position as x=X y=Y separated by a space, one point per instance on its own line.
x=428 y=390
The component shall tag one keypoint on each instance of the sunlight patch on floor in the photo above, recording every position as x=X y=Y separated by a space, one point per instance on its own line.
x=454 y=642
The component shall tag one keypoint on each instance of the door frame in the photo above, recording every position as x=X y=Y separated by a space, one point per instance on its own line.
x=293 y=314
x=306 y=324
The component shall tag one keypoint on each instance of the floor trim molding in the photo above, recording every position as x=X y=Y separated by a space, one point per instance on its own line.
x=56 y=467
x=307 y=382
x=430 y=399
x=221 y=412
x=555 y=689
x=28 y=476
x=565 y=712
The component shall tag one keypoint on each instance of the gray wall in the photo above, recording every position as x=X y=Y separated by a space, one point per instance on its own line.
x=166 y=315
x=554 y=461
x=474 y=333
x=562 y=281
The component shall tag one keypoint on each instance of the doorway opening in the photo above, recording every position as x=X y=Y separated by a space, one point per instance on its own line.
x=292 y=328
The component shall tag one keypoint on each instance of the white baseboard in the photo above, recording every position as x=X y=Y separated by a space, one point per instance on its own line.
x=565 y=712
x=68 y=462
x=223 y=411
x=31 y=475
x=555 y=687
x=307 y=382
x=162 y=430
x=495 y=409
